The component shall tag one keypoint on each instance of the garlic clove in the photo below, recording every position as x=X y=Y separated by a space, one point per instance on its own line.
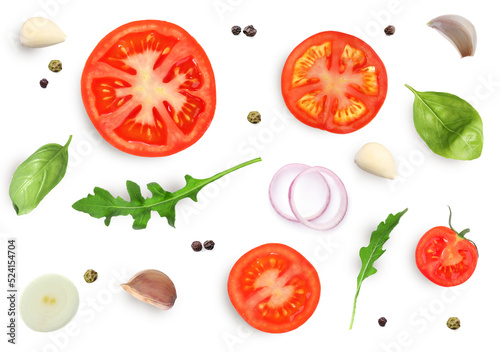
x=39 y=32
x=459 y=31
x=377 y=160
x=153 y=287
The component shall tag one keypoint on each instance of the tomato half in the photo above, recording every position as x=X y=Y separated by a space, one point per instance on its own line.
x=149 y=89
x=446 y=258
x=334 y=81
x=274 y=288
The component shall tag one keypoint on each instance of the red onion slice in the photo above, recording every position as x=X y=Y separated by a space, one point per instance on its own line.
x=339 y=214
x=277 y=179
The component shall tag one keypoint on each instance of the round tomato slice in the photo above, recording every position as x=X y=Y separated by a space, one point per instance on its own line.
x=149 y=89
x=445 y=257
x=334 y=81
x=274 y=288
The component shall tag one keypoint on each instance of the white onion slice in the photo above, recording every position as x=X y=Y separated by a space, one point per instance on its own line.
x=280 y=178
x=342 y=194
x=49 y=302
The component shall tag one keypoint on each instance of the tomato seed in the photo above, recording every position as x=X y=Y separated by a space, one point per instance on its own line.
x=44 y=83
x=390 y=30
x=382 y=321
x=236 y=30
x=250 y=31
x=196 y=246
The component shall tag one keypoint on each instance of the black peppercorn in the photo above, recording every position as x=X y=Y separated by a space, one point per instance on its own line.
x=44 y=83
x=236 y=30
x=390 y=30
x=196 y=245
x=382 y=321
x=209 y=245
x=250 y=31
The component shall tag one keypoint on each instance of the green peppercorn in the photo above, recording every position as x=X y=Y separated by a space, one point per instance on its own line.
x=55 y=66
x=90 y=276
x=254 y=117
x=453 y=323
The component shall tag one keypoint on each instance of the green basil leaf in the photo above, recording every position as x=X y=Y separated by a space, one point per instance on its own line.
x=37 y=176
x=449 y=125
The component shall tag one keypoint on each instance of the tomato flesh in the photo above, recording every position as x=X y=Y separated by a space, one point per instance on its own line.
x=149 y=89
x=445 y=258
x=335 y=82
x=274 y=288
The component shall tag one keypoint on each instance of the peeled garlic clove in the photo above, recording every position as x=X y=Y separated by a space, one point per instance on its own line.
x=153 y=287
x=39 y=32
x=376 y=159
x=459 y=31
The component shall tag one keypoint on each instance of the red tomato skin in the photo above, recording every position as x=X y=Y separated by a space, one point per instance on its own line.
x=450 y=246
x=290 y=97
x=89 y=100
x=234 y=287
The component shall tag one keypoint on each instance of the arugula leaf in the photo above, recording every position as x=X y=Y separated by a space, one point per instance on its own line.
x=374 y=250
x=103 y=205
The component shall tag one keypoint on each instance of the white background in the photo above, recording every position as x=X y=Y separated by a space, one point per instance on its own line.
x=236 y=213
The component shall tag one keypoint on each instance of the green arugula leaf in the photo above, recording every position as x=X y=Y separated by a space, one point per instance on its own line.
x=374 y=250
x=103 y=205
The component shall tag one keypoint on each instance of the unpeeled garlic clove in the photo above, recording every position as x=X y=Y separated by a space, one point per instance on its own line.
x=377 y=160
x=153 y=287
x=39 y=32
x=459 y=31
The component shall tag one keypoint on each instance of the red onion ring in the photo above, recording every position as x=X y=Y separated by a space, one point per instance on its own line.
x=337 y=217
x=275 y=180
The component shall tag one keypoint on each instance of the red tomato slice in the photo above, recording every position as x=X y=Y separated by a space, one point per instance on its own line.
x=149 y=89
x=335 y=82
x=445 y=258
x=274 y=288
